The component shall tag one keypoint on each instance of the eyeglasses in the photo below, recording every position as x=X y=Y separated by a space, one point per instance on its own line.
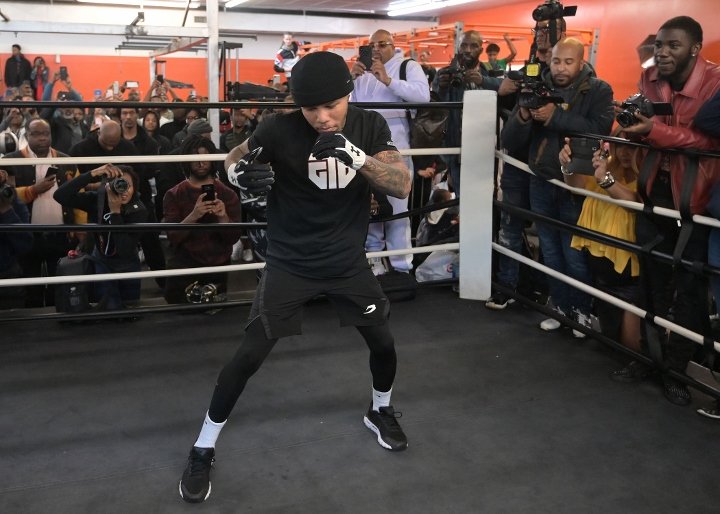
x=380 y=44
x=540 y=30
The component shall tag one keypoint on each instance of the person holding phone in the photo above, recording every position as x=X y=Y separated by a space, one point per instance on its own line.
x=201 y=198
x=35 y=185
x=381 y=82
x=612 y=172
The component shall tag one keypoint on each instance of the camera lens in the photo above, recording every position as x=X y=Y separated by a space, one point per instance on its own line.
x=6 y=192
x=7 y=144
x=119 y=186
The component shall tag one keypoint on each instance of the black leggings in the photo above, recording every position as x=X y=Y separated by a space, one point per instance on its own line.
x=255 y=347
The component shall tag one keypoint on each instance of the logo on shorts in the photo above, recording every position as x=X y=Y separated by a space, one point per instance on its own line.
x=370 y=309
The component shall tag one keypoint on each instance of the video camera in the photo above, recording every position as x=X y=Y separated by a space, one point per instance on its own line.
x=638 y=103
x=552 y=10
x=533 y=91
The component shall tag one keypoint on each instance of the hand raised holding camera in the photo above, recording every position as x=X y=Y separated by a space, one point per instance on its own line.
x=249 y=176
x=336 y=145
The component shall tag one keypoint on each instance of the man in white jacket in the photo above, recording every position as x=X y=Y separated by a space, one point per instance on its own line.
x=381 y=83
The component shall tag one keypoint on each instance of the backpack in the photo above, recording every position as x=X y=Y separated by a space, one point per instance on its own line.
x=74 y=298
x=428 y=127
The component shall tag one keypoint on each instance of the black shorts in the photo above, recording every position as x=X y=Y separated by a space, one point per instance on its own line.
x=280 y=297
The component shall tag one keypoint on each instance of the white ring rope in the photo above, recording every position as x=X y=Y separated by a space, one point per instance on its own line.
x=678 y=329
x=142 y=159
x=67 y=279
x=662 y=211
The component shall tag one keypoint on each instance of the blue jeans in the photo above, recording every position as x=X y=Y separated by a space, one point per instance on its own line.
x=515 y=191
x=116 y=294
x=557 y=203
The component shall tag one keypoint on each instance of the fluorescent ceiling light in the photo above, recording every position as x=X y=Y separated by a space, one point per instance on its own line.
x=414 y=6
x=177 y=4
x=233 y=3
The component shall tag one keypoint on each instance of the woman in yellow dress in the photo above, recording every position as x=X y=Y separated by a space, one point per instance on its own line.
x=614 y=270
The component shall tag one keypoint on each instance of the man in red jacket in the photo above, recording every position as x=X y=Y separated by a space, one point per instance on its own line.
x=683 y=78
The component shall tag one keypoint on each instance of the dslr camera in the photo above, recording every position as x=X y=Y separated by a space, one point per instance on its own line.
x=637 y=103
x=456 y=73
x=7 y=192
x=7 y=143
x=552 y=10
x=119 y=185
x=533 y=91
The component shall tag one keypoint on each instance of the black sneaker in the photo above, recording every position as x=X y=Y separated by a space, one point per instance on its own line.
x=676 y=392
x=711 y=411
x=498 y=301
x=633 y=372
x=195 y=483
x=385 y=425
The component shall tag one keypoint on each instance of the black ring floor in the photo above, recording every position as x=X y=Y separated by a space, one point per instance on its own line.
x=500 y=417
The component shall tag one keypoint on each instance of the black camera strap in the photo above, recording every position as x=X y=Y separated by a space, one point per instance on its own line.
x=687 y=224
x=403 y=76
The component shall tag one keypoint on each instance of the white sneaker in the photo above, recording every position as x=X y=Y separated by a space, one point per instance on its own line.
x=237 y=252
x=584 y=320
x=377 y=266
x=551 y=324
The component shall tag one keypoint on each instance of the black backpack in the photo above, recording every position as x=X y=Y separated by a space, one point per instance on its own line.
x=428 y=127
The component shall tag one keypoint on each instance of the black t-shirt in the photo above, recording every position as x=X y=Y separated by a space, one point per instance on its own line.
x=317 y=211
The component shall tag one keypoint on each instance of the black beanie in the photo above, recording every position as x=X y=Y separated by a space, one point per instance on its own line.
x=320 y=77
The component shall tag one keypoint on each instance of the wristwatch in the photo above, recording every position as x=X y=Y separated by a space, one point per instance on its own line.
x=565 y=171
x=608 y=181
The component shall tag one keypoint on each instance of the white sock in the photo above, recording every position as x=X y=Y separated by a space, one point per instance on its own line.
x=380 y=399
x=209 y=433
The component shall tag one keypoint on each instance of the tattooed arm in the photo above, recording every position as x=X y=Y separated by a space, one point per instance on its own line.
x=387 y=172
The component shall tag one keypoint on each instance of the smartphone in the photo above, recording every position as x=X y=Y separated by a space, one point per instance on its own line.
x=52 y=171
x=160 y=78
x=132 y=83
x=193 y=92
x=109 y=94
x=63 y=73
x=116 y=88
x=366 y=56
x=209 y=190
x=276 y=80
x=63 y=95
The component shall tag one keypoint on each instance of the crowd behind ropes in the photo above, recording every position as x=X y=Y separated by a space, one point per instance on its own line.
x=539 y=114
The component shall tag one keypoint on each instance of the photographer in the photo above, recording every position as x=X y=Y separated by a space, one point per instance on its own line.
x=201 y=198
x=464 y=73
x=586 y=107
x=115 y=202
x=12 y=244
x=686 y=80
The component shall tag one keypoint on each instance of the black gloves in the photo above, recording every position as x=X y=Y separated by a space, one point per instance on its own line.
x=249 y=176
x=336 y=145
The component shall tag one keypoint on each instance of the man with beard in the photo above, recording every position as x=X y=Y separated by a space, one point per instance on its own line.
x=464 y=73
x=242 y=128
x=35 y=185
x=201 y=198
x=586 y=108
x=382 y=83
x=685 y=79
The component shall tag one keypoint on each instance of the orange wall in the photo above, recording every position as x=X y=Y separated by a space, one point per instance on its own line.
x=89 y=73
x=623 y=25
